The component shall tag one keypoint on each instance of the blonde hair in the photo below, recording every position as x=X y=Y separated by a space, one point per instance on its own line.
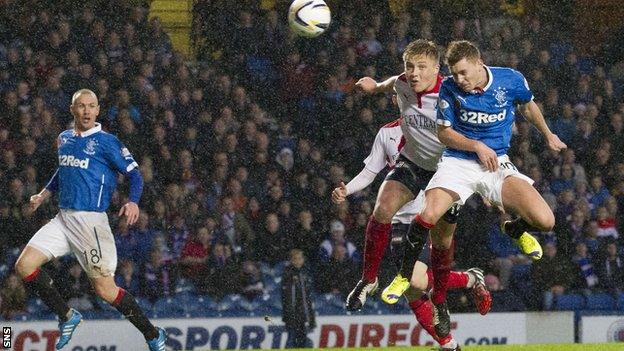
x=83 y=91
x=421 y=47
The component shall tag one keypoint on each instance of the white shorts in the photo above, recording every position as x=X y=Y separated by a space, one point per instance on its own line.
x=407 y=213
x=87 y=234
x=466 y=177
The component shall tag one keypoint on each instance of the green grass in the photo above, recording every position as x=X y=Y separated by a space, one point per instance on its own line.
x=549 y=347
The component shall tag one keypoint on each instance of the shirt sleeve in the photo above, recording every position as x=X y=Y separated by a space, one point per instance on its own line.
x=120 y=157
x=446 y=112
x=376 y=160
x=523 y=92
x=53 y=184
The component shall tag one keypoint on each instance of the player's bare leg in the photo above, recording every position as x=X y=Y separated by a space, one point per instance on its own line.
x=125 y=303
x=522 y=198
x=28 y=266
x=391 y=197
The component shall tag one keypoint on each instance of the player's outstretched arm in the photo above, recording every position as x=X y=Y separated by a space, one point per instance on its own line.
x=361 y=181
x=533 y=114
x=369 y=85
x=449 y=137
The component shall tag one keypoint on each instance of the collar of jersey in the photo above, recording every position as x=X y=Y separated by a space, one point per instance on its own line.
x=490 y=79
x=435 y=89
x=97 y=128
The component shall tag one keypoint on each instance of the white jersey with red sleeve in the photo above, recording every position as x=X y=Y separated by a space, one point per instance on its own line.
x=418 y=114
x=385 y=151
x=386 y=148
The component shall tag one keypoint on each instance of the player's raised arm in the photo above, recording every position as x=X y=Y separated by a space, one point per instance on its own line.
x=533 y=114
x=371 y=86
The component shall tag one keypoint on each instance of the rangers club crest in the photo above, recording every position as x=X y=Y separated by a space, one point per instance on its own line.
x=500 y=94
x=90 y=148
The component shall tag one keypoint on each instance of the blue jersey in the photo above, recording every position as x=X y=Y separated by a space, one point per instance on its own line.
x=485 y=115
x=88 y=166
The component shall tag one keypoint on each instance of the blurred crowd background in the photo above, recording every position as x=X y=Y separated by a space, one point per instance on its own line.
x=241 y=146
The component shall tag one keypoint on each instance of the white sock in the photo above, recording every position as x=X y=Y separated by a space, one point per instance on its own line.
x=471 y=280
x=450 y=345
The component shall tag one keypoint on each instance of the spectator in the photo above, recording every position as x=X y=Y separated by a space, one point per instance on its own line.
x=271 y=245
x=337 y=275
x=195 y=255
x=502 y=299
x=336 y=239
x=297 y=310
x=583 y=260
x=610 y=269
x=157 y=279
x=235 y=229
x=553 y=275
x=252 y=285
x=223 y=271
x=77 y=289
x=12 y=297
x=127 y=277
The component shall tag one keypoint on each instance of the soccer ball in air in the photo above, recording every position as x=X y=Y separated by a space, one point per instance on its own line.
x=309 y=18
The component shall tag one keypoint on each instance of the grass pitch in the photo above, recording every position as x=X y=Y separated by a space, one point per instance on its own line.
x=548 y=347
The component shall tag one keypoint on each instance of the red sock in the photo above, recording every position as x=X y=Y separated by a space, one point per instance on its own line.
x=423 y=310
x=456 y=280
x=377 y=237
x=441 y=260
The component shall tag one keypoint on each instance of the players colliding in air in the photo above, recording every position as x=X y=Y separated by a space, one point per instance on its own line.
x=475 y=116
x=89 y=161
x=384 y=153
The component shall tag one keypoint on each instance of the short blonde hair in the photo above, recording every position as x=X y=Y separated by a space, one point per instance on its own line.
x=83 y=91
x=421 y=47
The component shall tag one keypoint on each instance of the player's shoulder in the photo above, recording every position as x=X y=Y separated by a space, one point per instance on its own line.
x=393 y=124
x=505 y=73
x=401 y=82
x=66 y=133
x=448 y=84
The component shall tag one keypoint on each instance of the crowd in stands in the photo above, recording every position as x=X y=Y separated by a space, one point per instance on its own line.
x=240 y=148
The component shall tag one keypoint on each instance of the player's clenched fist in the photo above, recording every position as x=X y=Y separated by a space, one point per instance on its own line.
x=554 y=143
x=367 y=84
x=35 y=202
x=339 y=194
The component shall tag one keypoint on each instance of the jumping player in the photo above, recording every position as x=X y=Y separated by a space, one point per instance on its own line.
x=475 y=116
x=384 y=153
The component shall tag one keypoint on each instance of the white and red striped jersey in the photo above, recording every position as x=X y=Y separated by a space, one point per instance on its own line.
x=418 y=114
x=386 y=148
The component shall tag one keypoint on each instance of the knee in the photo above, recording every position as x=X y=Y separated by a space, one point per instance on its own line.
x=420 y=282
x=382 y=213
x=23 y=268
x=545 y=222
x=106 y=293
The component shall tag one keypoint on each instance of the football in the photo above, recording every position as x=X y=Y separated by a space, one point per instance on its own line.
x=309 y=18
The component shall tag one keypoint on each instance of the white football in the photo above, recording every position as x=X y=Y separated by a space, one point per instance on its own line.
x=309 y=18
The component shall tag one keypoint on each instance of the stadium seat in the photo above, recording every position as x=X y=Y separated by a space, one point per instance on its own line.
x=620 y=301
x=144 y=304
x=36 y=306
x=168 y=307
x=600 y=301
x=570 y=302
